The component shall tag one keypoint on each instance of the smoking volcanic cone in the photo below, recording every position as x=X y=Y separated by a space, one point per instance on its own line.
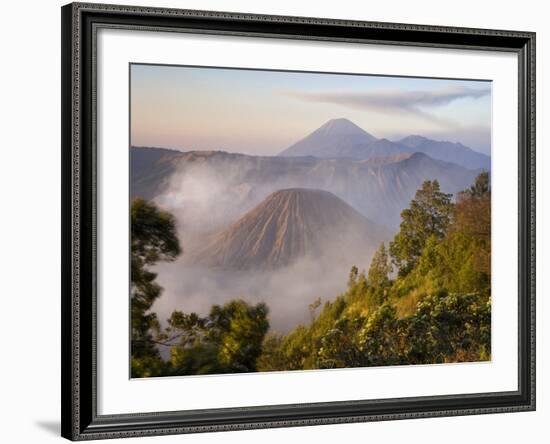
x=291 y=224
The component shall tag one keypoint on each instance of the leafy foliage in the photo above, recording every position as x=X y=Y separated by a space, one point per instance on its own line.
x=228 y=340
x=473 y=218
x=153 y=239
x=428 y=215
x=449 y=328
x=379 y=275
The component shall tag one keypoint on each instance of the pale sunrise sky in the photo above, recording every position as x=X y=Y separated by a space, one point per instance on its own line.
x=264 y=112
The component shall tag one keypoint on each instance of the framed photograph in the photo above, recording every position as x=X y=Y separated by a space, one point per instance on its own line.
x=281 y=221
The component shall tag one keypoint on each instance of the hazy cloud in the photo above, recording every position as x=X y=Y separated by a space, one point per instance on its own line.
x=391 y=101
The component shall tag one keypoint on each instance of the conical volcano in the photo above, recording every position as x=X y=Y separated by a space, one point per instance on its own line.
x=291 y=224
x=336 y=138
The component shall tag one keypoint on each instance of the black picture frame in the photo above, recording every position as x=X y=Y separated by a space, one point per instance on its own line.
x=80 y=420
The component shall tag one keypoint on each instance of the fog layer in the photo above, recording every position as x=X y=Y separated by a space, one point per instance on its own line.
x=204 y=202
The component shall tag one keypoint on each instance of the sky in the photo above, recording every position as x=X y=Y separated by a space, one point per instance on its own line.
x=264 y=112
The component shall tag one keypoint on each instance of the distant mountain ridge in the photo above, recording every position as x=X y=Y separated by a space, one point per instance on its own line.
x=379 y=188
x=339 y=138
x=288 y=225
x=447 y=151
x=149 y=169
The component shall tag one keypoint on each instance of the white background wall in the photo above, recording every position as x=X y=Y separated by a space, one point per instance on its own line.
x=30 y=221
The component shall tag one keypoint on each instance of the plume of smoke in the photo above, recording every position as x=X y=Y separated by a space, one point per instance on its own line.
x=287 y=291
x=204 y=201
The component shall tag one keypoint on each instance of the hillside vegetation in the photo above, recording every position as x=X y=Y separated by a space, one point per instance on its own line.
x=424 y=298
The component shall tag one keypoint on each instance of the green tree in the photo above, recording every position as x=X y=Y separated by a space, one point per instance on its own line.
x=378 y=278
x=153 y=239
x=429 y=214
x=382 y=338
x=449 y=327
x=313 y=308
x=240 y=330
x=295 y=349
x=473 y=219
x=460 y=262
x=272 y=357
x=228 y=340
x=339 y=346
x=481 y=186
x=353 y=274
